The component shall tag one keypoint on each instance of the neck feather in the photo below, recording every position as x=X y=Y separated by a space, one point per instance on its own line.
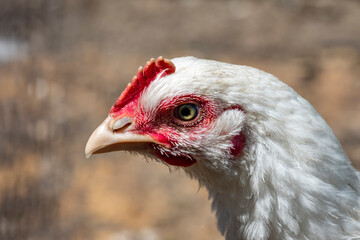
x=273 y=198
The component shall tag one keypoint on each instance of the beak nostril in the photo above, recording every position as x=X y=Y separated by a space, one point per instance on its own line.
x=122 y=124
x=122 y=129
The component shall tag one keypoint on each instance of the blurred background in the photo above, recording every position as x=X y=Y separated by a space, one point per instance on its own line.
x=63 y=63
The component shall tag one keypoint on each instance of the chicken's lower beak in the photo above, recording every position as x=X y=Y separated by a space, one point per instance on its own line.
x=106 y=139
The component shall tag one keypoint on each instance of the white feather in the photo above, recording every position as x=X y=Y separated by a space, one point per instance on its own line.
x=293 y=180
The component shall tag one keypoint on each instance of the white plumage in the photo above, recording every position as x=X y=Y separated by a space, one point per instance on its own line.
x=292 y=179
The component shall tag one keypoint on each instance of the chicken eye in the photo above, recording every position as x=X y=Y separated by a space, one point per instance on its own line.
x=187 y=112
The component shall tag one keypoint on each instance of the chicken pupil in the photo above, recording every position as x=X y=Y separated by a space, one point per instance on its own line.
x=187 y=112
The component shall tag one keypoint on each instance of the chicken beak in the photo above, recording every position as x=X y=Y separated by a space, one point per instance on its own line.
x=106 y=139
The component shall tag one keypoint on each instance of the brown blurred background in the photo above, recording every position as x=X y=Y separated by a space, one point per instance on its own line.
x=64 y=62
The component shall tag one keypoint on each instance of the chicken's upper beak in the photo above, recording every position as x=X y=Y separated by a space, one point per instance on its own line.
x=113 y=135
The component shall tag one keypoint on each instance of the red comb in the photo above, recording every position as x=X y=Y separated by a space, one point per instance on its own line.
x=143 y=78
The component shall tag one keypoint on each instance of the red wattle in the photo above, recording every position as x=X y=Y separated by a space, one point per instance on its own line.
x=179 y=161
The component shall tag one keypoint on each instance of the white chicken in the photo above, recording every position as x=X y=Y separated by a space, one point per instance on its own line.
x=272 y=166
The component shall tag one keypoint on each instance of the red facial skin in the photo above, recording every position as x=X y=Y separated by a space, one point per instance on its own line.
x=164 y=126
x=170 y=125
